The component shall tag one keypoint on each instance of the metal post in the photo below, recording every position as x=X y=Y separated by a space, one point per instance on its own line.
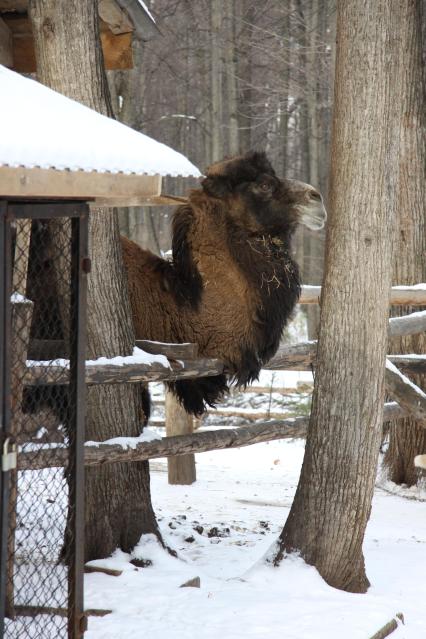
x=5 y=408
x=79 y=269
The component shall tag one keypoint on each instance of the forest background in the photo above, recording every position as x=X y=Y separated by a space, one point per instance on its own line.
x=222 y=78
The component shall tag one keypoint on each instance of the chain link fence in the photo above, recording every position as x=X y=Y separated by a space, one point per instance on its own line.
x=42 y=596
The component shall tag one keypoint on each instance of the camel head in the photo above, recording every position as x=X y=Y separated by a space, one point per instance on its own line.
x=259 y=201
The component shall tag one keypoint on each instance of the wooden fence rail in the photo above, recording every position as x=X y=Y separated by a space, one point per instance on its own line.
x=108 y=453
x=400 y=295
x=297 y=357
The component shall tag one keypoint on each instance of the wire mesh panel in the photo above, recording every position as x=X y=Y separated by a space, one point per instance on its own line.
x=44 y=368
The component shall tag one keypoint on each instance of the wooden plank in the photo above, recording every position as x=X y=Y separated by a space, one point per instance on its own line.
x=6 y=51
x=105 y=453
x=117 y=49
x=400 y=296
x=51 y=183
x=112 y=572
x=160 y=200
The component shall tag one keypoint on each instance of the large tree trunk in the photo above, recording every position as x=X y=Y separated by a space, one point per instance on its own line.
x=408 y=439
x=118 y=503
x=245 y=15
x=216 y=80
x=231 y=96
x=332 y=505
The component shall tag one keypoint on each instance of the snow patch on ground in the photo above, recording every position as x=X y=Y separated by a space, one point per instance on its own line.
x=222 y=527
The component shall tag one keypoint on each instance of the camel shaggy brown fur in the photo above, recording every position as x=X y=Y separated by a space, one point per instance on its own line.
x=232 y=283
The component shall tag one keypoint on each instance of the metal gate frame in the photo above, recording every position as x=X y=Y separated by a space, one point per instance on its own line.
x=78 y=211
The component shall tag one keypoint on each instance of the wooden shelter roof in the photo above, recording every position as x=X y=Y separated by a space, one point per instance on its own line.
x=51 y=146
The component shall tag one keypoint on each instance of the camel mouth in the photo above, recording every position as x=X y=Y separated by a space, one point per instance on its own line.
x=313 y=216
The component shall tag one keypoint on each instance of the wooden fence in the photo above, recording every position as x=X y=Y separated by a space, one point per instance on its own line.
x=184 y=363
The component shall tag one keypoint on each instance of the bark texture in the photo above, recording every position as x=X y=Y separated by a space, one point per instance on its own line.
x=408 y=439
x=332 y=505
x=118 y=503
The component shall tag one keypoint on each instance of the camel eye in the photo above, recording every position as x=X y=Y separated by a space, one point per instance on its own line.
x=265 y=186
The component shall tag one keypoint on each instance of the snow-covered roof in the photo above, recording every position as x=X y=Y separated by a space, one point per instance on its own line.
x=42 y=128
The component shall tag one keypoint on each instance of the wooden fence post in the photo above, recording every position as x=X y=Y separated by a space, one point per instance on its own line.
x=181 y=469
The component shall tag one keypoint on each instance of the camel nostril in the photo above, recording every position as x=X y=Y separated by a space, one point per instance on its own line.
x=314 y=195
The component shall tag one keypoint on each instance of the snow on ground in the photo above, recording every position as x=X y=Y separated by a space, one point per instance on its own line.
x=221 y=527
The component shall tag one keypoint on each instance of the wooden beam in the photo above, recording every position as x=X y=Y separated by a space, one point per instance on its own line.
x=6 y=52
x=51 y=183
x=117 y=48
x=406 y=393
x=48 y=349
x=127 y=373
x=34 y=611
x=400 y=296
x=173 y=351
x=24 y=60
x=389 y=627
x=299 y=357
x=181 y=468
x=158 y=200
x=412 y=364
x=117 y=20
x=105 y=453
x=186 y=369
x=412 y=324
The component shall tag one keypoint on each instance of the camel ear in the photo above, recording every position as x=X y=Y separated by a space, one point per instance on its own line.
x=216 y=186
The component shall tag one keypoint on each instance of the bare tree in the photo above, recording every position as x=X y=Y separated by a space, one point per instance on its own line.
x=332 y=505
x=408 y=439
x=118 y=502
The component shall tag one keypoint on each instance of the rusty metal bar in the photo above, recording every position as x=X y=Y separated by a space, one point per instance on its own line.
x=5 y=396
x=79 y=261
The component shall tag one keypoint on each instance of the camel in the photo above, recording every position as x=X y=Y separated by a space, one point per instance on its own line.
x=232 y=284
